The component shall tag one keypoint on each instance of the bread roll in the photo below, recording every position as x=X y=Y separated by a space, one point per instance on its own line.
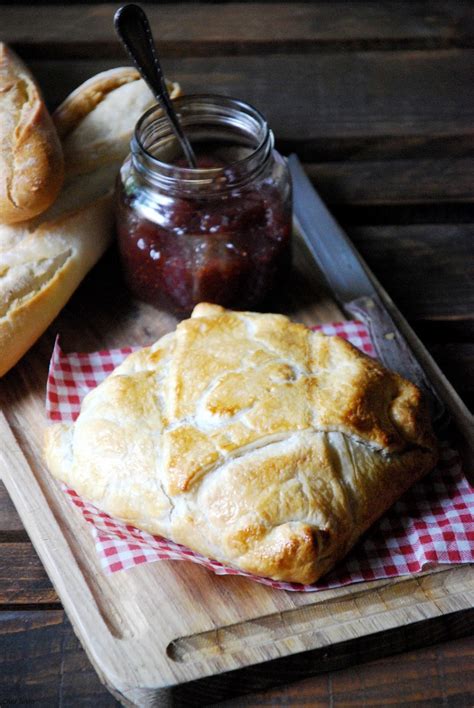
x=43 y=260
x=250 y=439
x=31 y=161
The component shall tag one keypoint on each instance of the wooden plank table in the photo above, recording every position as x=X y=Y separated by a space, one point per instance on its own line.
x=376 y=98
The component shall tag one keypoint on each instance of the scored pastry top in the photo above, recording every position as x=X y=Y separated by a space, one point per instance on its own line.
x=249 y=438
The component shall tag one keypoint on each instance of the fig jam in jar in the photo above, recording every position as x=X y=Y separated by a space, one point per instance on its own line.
x=219 y=233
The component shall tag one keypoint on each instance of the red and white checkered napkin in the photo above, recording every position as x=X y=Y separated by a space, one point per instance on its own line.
x=432 y=523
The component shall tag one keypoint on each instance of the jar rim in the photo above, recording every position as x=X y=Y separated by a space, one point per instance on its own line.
x=188 y=174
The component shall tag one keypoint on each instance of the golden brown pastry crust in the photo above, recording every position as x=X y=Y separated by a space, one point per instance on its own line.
x=250 y=439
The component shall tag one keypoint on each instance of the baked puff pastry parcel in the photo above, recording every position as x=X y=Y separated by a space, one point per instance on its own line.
x=250 y=439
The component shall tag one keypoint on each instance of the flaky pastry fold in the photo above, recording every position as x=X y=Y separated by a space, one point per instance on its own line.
x=250 y=439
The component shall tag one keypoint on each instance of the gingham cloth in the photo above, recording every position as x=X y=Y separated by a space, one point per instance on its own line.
x=432 y=523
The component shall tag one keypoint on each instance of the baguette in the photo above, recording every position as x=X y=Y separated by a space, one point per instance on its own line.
x=31 y=160
x=43 y=260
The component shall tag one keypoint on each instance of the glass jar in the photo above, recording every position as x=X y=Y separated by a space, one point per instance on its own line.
x=219 y=233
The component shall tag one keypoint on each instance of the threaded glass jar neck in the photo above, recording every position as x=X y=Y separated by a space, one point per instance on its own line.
x=229 y=130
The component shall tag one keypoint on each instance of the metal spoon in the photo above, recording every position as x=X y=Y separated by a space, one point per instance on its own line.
x=132 y=26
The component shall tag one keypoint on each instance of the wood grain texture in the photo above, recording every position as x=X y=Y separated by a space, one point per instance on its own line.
x=335 y=658
x=23 y=579
x=457 y=360
x=435 y=676
x=428 y=269
x=197 y=29
x=392 y=182
x=43 y=663
x=353 y=95
x=10 y=523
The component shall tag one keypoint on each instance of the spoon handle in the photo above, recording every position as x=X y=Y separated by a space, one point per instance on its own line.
x=133 y=28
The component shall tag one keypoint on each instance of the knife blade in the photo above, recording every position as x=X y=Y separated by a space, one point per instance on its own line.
x=355 y=291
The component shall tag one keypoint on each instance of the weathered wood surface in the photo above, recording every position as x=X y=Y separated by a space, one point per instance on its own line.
x=42 y=660
x=414 y=181
x=428 y=269
x=23 y=580
x=11 y=526
x=349 y=96
x=78 y=30
x=378 y=102
x=432 y=677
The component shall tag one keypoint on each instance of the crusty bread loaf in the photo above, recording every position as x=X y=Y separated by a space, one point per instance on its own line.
x=31 y=161
x=43 y=260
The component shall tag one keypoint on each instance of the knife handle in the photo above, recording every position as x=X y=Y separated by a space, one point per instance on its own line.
x=392 y=349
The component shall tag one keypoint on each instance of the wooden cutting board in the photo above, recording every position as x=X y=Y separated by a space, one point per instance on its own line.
x=173 y=628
